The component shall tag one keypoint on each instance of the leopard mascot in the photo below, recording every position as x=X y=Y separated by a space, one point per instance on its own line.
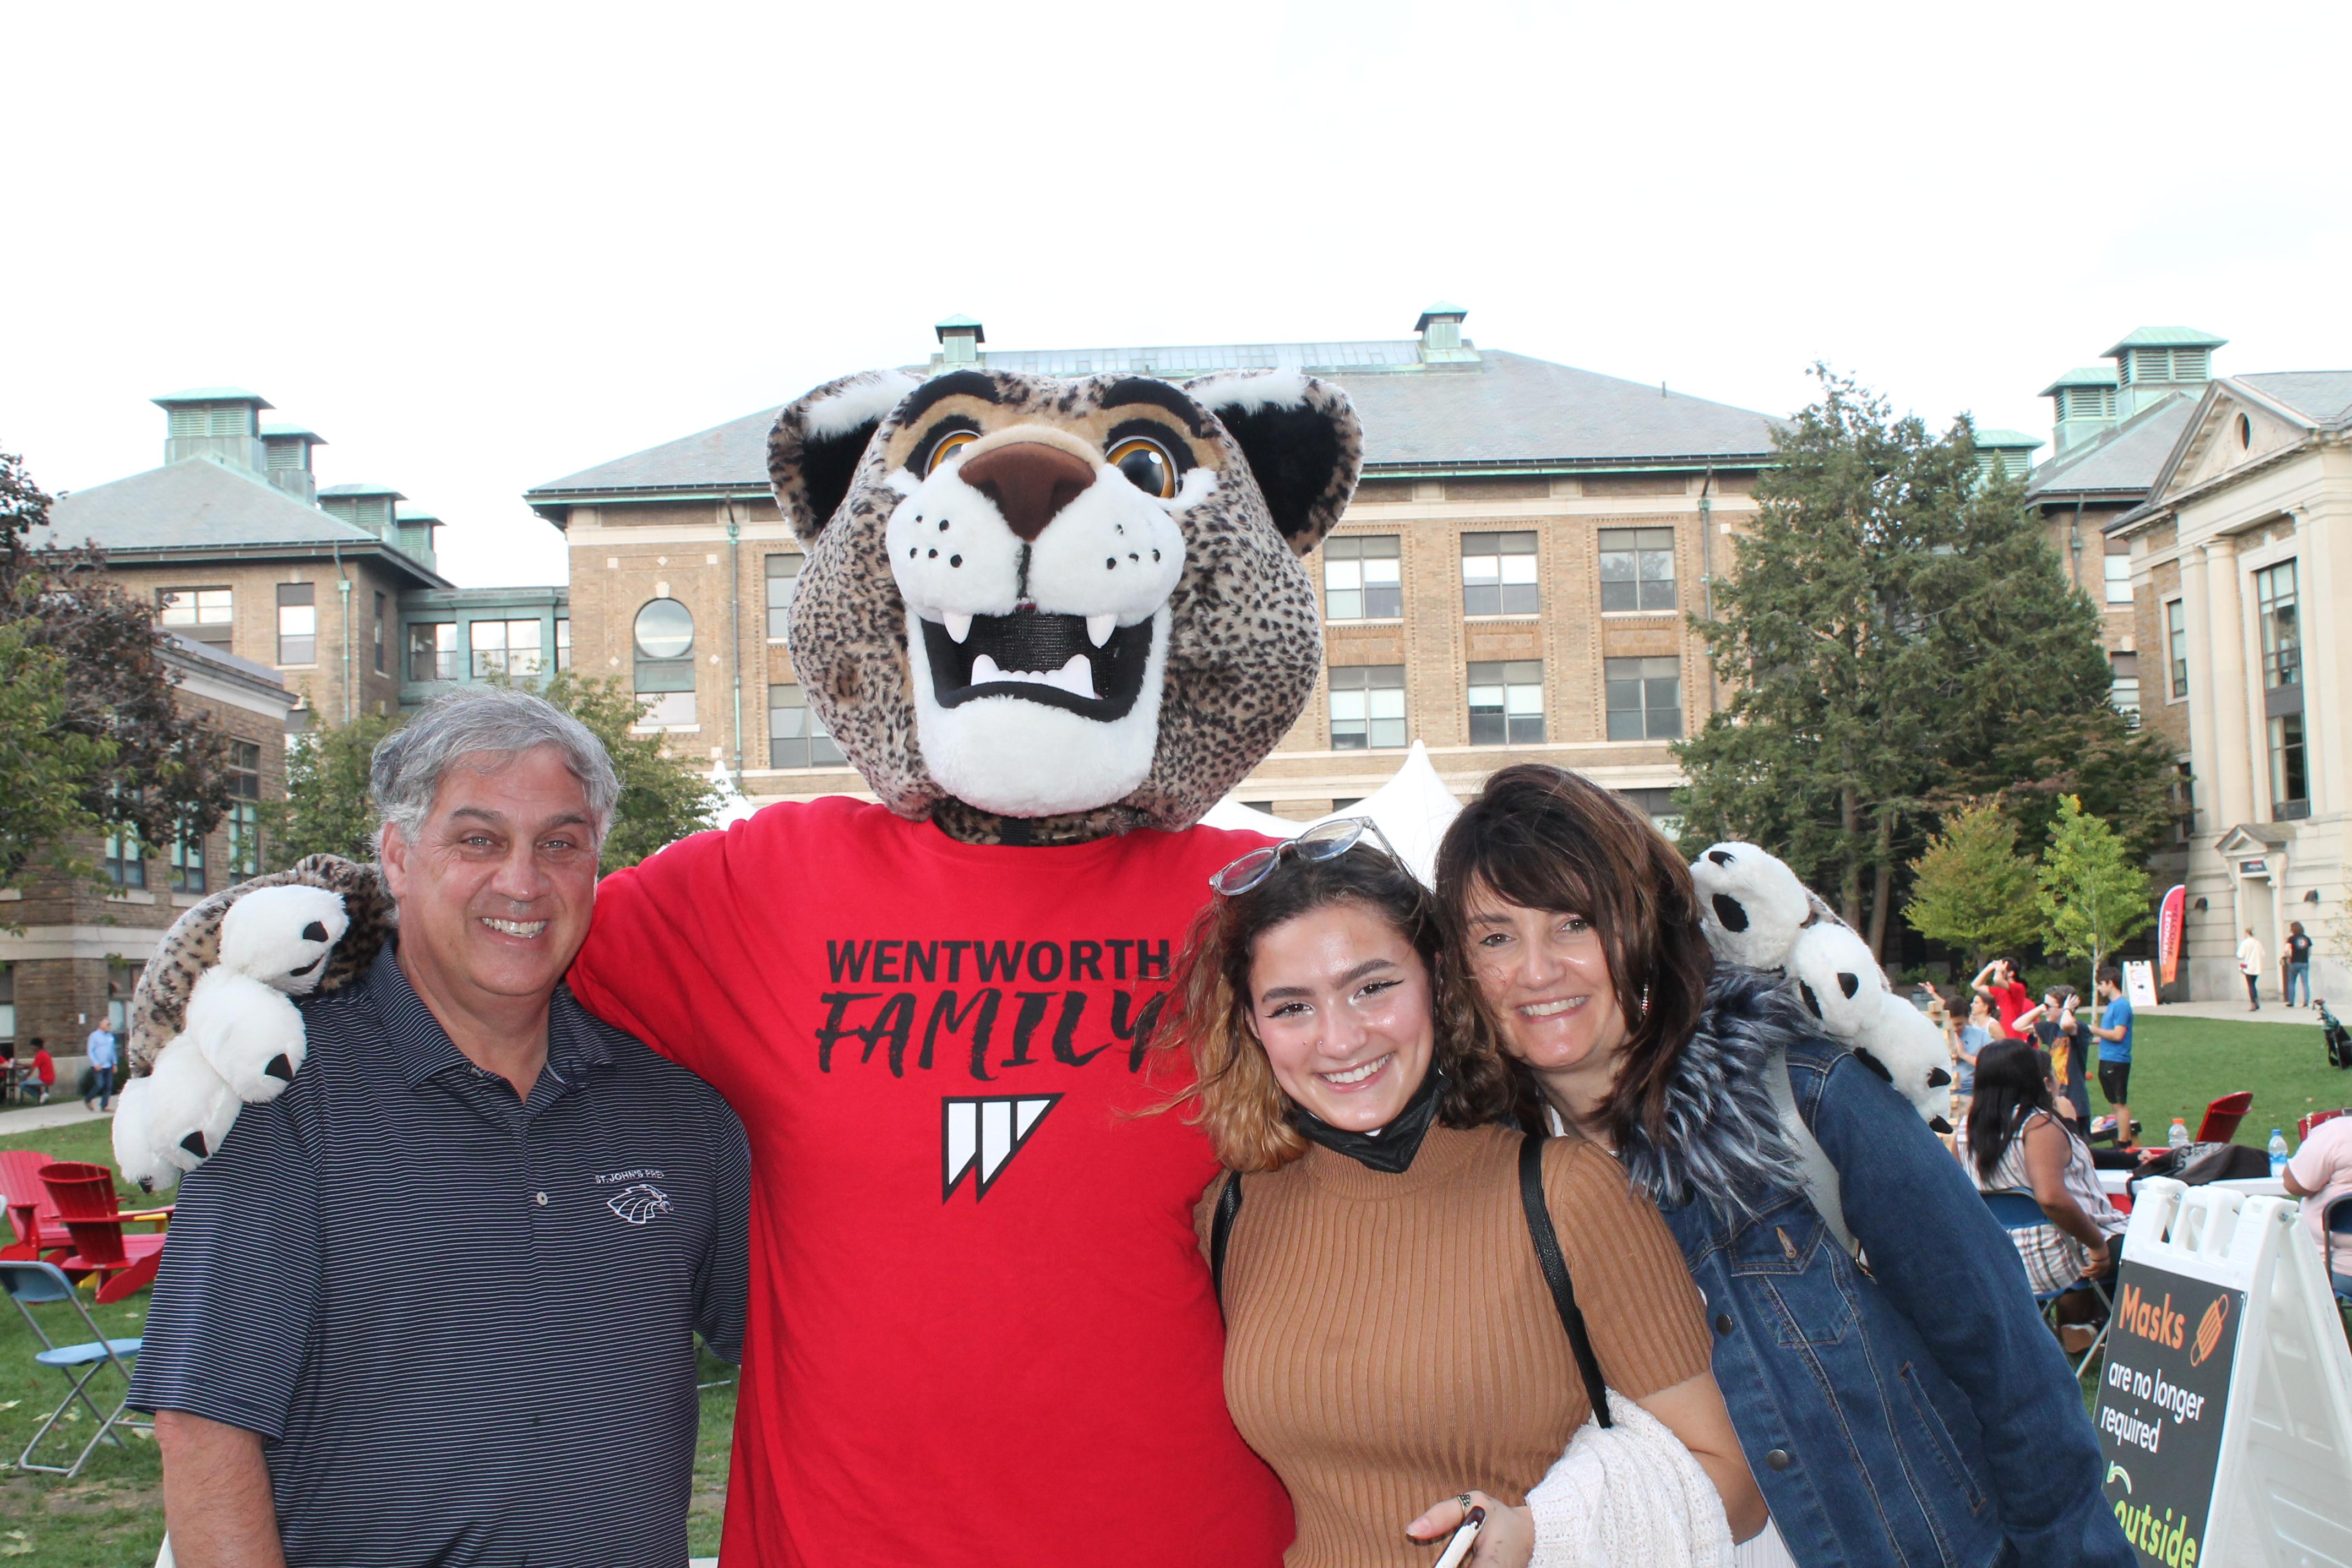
x=1051 y=622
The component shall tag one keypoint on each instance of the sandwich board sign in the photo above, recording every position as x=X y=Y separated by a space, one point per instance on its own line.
x=2225 y=1402
x=2140 y=982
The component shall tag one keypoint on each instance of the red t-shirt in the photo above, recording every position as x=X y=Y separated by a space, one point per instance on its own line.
x=2010 y=1002
x=981 y=1331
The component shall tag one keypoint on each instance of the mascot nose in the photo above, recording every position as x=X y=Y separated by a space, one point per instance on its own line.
x=1029 y=482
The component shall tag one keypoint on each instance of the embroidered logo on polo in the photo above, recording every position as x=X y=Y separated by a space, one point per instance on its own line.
x=979 y=1135
x=641 y=1204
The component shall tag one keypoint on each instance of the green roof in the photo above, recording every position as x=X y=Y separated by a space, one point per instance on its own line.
x=1441 y=309
x=957 y=324
x=2166 y=337
x=361 y=489
x=270 y=429
x=414 y=514
x=2004 y=439
x=213 y=395
x=2082 y=376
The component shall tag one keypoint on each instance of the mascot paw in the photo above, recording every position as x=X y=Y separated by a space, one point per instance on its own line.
x=1751 y=905
x=175 y=1115
x=1903 y=1047
x=1838 y=981
x=273 y=942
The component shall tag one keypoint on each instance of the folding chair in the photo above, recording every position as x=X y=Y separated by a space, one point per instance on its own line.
x=2019 y=1211
x=30 y=1283
x=2221 y=1117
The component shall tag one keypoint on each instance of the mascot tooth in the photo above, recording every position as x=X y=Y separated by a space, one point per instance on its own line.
x=1051 y=623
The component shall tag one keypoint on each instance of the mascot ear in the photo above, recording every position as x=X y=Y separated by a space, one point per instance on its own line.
x=818 y=440
x=1302 y=440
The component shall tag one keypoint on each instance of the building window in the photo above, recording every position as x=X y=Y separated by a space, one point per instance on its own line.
x=1367 y=706
x=243 y=808
x=298 y=623
x=1637 y=569
x=379 y=634
x=1362 y=578
x=125 y=867
x=2281 y=640
x=1645 y=698
x=122 y=983
x=563 y=642
x=204 y=615
x=2123 y=687
x=1507 y=704
x=433 y=651
x=664 y=635
x=2119 y=586
x=1658 y=805
x=796 y=736
x=2290 y=771
x=1498 y=575
x=2176 y=645
x=7 y=1001
x=510 y=648
x=2184 y=803
x=188 y=862
x=783 y=577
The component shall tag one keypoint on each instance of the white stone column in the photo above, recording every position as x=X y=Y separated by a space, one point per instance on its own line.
x=2236 y=737
x=2202 y=763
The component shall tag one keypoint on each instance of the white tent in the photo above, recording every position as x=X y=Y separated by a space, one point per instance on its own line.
x=1413 y=810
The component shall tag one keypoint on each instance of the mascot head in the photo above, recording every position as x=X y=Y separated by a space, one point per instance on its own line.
x=1048 y=609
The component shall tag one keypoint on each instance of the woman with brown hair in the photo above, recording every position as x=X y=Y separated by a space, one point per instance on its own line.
x=1915 y=1413
x=1391 y=1337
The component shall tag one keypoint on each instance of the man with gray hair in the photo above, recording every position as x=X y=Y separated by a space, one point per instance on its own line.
x=436 y=1302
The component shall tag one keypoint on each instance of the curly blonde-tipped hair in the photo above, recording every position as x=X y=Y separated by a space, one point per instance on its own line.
x=1234 y=1093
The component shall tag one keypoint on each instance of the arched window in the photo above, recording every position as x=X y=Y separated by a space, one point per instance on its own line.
x=664 y=634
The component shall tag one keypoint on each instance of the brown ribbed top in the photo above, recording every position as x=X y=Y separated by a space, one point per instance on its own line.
x=1389 y=1341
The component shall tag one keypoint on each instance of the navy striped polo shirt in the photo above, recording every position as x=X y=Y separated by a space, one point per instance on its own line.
x=462 y=1323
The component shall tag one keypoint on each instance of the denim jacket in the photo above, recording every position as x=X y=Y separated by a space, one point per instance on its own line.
x=1910 y=1410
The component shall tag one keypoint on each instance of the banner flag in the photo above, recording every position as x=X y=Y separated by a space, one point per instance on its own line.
x=2168 y=933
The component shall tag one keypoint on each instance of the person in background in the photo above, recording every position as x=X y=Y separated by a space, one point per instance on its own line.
x=2114 y=1032
x=103 y=1060
x=45 y=1071
x=2299 y=964
x=2014 y=1141
x=1389 y=1340
x=1915 y=1413
x=2052 y=1024
x=1968 y=1041
x=1998 y=983
x=2250 y=965
x=2320 y=1174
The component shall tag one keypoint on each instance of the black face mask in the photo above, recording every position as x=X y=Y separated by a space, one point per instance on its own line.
x=1391 y=1149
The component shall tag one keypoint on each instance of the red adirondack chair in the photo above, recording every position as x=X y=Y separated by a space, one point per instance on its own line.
x=2221 y=1117
x=30 y=1212
x=125 y=1263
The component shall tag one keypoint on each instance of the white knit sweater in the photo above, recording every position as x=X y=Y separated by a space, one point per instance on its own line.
x=1627 y=1496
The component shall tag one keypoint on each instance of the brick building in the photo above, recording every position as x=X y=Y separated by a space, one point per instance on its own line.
x=1510 y=582
x=79 y=946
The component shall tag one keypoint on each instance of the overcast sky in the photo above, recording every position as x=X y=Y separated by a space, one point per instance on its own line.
x=483 y=245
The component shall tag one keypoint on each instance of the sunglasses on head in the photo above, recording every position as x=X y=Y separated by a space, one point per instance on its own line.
x=1324 y=841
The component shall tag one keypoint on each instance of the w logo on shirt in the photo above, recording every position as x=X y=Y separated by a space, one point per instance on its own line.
x=979 y=1137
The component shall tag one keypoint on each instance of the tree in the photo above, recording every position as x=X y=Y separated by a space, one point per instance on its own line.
x=42 y=765
x=2093 y=891
x=160 y=773
x=328 y=809
x=1897 y=637
x=1972 y=890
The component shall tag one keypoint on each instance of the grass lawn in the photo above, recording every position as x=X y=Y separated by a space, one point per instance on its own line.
x=112 y=1515
x=2181 y=1065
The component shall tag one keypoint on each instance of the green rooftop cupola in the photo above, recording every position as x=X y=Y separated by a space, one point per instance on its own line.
x=285 y=452
x=2153 y=363
x=959 y=340
x=219 y=422
x=417 y=535
x=2007 y=452
x=1440 y=330
x=2083 y=405
x=364 y=505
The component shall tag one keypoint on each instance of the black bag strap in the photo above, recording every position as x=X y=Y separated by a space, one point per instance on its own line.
x=1221 y=1231
x=1555 y=1271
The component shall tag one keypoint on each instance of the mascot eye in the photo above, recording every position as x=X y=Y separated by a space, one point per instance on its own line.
x=948 y=443
x=1147 y=465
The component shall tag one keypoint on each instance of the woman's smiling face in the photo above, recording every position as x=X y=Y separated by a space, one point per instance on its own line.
x=1545 y=976
x=1340 y=1001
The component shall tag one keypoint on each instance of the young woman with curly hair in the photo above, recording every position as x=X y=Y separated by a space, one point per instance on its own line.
x=1391 y=1337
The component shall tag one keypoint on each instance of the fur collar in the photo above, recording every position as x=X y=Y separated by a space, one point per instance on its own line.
x=1722 y=1138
